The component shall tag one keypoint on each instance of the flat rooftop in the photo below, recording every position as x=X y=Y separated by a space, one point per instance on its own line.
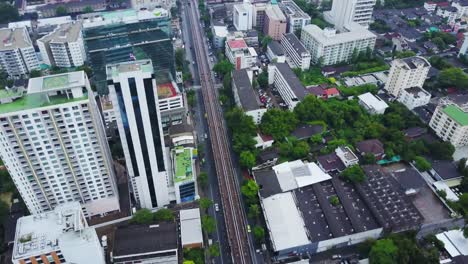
x=64 y=33
x=295 y=42
x=14 y=38
x=354 y=33
x=126 y=16
x=166 y=90
x=292 y=80
x=456 y=114
x=237 y=44
x=247 y=96
x=113 y=70
x=190 y=227
x=183 y=164
x=290 y=8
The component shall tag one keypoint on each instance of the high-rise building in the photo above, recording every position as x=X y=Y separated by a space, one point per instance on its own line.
x=297 y=55
x=63 y=47
x=242 y=16
x=132 y=89
x=59 y=236
x=54 y=145
x=17 y=55
x=275 y=22
x=329 y=47
x=296 y=17
x=125 y=35
x=345 y=11
x=406 y=73
x=450 y=120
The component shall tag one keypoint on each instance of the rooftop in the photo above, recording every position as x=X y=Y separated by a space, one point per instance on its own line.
x=247 y=96
x=295 y=42
x=190 y=227
x=296 y=174
x=276 y=48
x=331 y=162
x=113 y=70
x=456 y=114
x=372 y=101
x=166 y=90
x=64 y=33
x=14 y=38
x=354 y=32
x=454 y=242
x=183 y=164
x=119 y=16
x=373 y=146
x=292 y=79
x=414 y=62
x=237 y=44
x=139 y=239
x=305 y=131
x=445 y=169
x=291 y=9
x=275 y=13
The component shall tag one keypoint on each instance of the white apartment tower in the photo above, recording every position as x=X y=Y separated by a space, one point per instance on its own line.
x=132 y=90
x=345 y=11
x=17 y=55
x=242 y=16
x=406 y=73
x=297 y=54
x=450 y=120
x=64 y=46
x=54 y=145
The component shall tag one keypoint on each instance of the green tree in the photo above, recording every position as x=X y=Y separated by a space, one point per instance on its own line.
x=368 y=159
x=35 y=73
x=61 y=11
x=265 y=41
x=254 y=211
x=247 y=159
x=88 y=9
x=334 y=200
x=180 y=59
x=354 y=174
x=384 y=251
x=164 y=214
x=196 y=255
x=262 y=79
x=453 y=77
x=441 y=150
x=214 y=250
x=191 y=98
x=223 y=67
x=208 y=224
x=405 y=54
x=463 y=203
x=259 y=233
x=142 y=216
x=439 y=42
x=278 y=123
x=205 y=203
x=422 y=164
x=188 y=262
x=250 y=189
x=8 y=13
x=203 y=179
x=462 y=166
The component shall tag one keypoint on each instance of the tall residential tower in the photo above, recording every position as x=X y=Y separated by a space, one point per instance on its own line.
x=345 y=11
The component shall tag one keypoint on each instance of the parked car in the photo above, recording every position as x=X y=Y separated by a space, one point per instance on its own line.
x=216 y=207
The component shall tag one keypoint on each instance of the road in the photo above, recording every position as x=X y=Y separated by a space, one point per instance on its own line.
x=240 y=244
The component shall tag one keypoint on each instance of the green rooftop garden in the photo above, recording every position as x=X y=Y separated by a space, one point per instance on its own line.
x=35 y=101
x=457 y=114
x=183 y=162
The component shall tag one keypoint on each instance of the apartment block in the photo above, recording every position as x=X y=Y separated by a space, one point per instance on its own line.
x=54 y=145
x=133 y=91
x=297 y=55
x=406 y=73
x=330 y=47
x=242 y=16
x=275 y=22
x=414 y=97
x=346 y=11
x=17 y=55
x=296 y=17
x=286 y=82
x=450 y=120
x=59 y=236
x=64 y=47
x=245 y=96
x=240 y=54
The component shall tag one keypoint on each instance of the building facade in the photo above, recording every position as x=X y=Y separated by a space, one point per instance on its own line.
x=414 y=97
x=286 y=82
x=132 y=90
x=345 y=11
x=407 y=73
x=242 y=16
x=17 y=55
x=55 y=148
x=329 y=47
x=297 y=55
x=450 y=121
x=275 y=22
x=240 y=54
x=64 y=47
x=245 y=97
x=296 y=17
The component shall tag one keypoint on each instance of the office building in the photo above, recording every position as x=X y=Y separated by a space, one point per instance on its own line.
x=346 y=11
x=240 y=54
x=330 y=47
x=407 y=73
x=59 y=236
x=63 y=47
x=17 y=55
x=275 y=22
x=414 y=97
x=245 y=96
x=286 y=82
x=296 y=17
x=124 y=35
x=132 y=90
x=184 y=174
x=242 y=16
x=145 y=244
x=55 y=147
x=150 y=4
x=450 y=120
x=297 y=55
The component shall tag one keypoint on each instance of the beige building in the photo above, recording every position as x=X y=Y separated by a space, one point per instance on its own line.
x=275 y=22
x=450 y=120
x=406 y=73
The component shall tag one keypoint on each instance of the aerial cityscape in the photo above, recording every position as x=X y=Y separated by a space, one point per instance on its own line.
x=233 y=131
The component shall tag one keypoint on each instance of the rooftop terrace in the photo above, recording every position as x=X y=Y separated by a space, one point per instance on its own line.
x=456 y=114
x=37 y=100
x=183 y=164
x=166 y=90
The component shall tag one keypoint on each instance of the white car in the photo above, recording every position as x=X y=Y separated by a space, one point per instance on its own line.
x=216 y=207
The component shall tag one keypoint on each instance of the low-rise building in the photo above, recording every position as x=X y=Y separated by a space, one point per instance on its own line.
x=450 y=120
x=145 y=244
x=296 y=17
x=184 y=174
x=329 y=47
x=275 y=22
x=245 y=96
x=170 y=104
x=263 y=141
x=240 y=54
x=64 y=47
x=455 y=243
x=371 y=147
x=414 y=97
x=448 y=12
x=220 y=33
x=287 y=83
x=107 y=110
x=275 y=52
x=372 y=103
x=58 y=236
x=339 y=160
x=191 y=235
x=297 y=55
x=17 y=55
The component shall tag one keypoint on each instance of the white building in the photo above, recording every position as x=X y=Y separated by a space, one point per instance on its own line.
x=245 y=96
x=55 y=148
x=184 y=174
x=462 y=6
x=59 y=236
x=372 y=103
x=220 y=34
x=346 y=156
x=107 y=110
x=286 y=82
x=448 y=12
x=406 y=73
x=17 y=55
x=242 y=16
x=295 y=16
x=464 y=47
x=297 y=55
x=191 y=235
x=414 y=97
x=275 y=52
x=150 y=4
x=430 y=6
x=240 y=54
x=171 y=104
x=329 y=47
x=345 y=11
x=132 y=90
x=450 y=121
x=63 y=47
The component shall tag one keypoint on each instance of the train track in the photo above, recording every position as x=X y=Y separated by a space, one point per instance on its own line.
x=234 y=215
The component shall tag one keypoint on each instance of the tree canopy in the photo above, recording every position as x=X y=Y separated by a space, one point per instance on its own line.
x=354 y=174
x=164 y=214
x=142 y=216
x=223 y=67
x=8 y=13
x=453 y=77
x=278 y=123
x=250 y=189
x=208 y=224
x=422 y=164
x=384 y=251
x=247 y=159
